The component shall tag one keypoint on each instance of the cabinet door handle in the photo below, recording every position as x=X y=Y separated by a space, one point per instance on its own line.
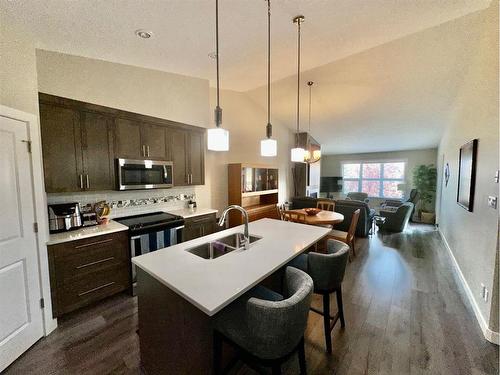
x=87 y=181
x=93 y=243
x=143 y=150
x=95 y=289
x=147 y=148
x=81 y=181
x=94 y=263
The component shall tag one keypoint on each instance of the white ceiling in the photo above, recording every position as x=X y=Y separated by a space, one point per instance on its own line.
x=397 y=96
x=184 y=31
x=385 y=71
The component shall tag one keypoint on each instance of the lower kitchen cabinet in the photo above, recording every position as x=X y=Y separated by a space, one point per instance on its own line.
x=88 y=270
x=199 y=226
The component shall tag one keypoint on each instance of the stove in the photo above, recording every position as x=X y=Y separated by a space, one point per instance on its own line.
x=146 y=223
x=150 y=232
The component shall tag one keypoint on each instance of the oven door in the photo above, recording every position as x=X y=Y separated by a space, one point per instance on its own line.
x=144 y=174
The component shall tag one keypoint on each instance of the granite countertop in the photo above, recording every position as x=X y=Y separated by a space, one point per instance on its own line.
x=212 y=284
x=187 y=212
x=78 y=234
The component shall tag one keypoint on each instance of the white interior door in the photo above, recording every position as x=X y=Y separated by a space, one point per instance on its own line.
x=20 y=312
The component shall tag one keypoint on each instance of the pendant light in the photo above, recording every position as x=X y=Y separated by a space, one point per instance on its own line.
x=297 y=153
x=316 y=154
x=218 y=137
x=269 y=146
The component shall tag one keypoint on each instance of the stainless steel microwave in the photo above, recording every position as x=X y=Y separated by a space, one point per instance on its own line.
x=144 y=174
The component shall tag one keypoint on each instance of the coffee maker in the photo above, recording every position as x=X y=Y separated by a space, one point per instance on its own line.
x=64 y=217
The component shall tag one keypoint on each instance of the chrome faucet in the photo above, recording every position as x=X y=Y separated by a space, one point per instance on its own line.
x=222 y=220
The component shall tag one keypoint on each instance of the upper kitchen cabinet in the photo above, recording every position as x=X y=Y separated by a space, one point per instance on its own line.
x=138 y=140
x=61 y=147
x=81 y=141
x=77 y=149
x=98 y=155
x=128 y=139
x=188 y=155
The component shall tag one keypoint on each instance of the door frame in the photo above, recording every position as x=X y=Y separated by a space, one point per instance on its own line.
x=40 y=206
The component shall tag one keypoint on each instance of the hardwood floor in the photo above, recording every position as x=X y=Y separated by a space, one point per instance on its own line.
x=404 y=315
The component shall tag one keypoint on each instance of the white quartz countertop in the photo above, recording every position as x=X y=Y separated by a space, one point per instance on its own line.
x=212 y=284
x=187 y=213
x=78 y=234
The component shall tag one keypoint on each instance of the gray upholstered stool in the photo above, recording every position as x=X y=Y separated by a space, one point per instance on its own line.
x=267 y=332
x=327 y=272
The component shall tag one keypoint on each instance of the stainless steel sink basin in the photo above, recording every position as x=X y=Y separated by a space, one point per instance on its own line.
x=220 y=246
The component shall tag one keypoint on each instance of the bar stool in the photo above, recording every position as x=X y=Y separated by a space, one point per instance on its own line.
x=266 y=332
x=327 y=272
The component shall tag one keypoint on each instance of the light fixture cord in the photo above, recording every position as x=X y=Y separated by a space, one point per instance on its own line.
x=298 y=79
x=217 y=45
x=268 y=62
x=310 y=83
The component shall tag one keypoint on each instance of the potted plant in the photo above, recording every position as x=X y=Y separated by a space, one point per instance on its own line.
x=424 y=180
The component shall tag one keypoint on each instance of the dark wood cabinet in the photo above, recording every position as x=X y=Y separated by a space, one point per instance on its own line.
x=81 y=141
x=199 y=226
x=196 y=158
x=188 y=154
x=128 y=139
x=154 y=141
x=77 y=150
x=98 y=155
x=88 y=270
x=61 y=148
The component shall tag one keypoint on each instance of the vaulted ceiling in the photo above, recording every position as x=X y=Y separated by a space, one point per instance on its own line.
x=382 y=68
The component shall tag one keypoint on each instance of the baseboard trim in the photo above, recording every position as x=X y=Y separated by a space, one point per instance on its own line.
x=491 y=336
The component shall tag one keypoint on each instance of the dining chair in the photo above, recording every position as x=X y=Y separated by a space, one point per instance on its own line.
x=347 y=237
x=266 y=330
x=327 y=271
x=326 y=205
x=294 y=216
x=281 y=211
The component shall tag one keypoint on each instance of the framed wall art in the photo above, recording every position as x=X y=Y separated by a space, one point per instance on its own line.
x=467 y=174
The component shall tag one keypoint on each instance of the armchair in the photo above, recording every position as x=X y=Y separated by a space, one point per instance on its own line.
x=396 y=220
x=355 y=196
x=393 y=204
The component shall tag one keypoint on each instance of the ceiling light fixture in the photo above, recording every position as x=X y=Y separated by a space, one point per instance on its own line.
x=297 y=153
x=217 y=138
x=144 y=34
x=316 y=154
x=269 y=146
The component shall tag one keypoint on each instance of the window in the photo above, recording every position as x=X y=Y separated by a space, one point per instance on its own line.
x=377 y=179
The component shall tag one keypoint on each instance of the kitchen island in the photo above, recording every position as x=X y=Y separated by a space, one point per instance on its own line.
x=180 y=293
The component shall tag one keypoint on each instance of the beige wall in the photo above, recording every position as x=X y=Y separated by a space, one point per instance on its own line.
x=331 y=164
x=174 y=97
x=472 y=236
x=18 y=80
x=246 y=124
x=150 y=92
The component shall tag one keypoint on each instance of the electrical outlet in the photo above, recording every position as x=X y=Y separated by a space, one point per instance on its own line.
x=492 y=201
x=486 y=295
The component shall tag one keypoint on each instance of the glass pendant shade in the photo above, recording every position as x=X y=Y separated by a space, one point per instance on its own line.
x=268 y=147
x=297 y=154
x=218 y=139
x=316 y=155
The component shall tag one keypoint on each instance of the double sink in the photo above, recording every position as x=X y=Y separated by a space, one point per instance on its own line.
x=221 y=246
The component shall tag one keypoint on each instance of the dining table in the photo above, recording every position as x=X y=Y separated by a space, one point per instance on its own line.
x=323 y=217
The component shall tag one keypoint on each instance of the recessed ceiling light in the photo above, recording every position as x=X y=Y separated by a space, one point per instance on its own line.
x=144 y=34
x=212 y=55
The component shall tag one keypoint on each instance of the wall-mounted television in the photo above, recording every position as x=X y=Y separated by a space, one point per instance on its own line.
x=330 y=184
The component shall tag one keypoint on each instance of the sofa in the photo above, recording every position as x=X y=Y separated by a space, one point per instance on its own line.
x=356 y=196
x=393 y=204
x=396 y=221
x=345 y=207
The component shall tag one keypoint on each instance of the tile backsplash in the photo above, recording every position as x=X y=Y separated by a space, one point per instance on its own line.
x=133 y=202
